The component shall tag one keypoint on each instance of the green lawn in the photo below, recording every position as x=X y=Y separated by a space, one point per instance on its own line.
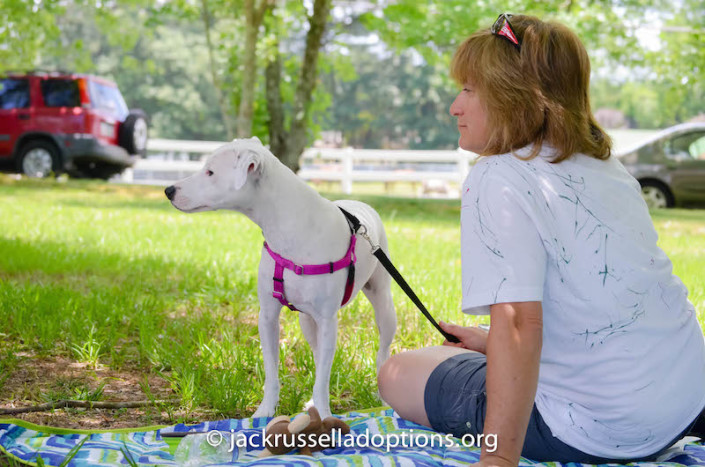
x=115 y=277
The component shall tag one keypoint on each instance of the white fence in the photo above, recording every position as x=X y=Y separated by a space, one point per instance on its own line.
x=438 y=172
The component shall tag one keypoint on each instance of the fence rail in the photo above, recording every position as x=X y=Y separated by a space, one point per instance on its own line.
x=171 y=160
x=439 y=172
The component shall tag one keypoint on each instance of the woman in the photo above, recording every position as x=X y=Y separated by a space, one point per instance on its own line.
x=594 y=351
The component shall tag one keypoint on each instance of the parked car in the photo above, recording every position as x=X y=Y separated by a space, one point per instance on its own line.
x=66 y=122
x=670 y=166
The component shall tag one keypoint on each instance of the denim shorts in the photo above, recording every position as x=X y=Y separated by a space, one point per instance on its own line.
x=456 y=402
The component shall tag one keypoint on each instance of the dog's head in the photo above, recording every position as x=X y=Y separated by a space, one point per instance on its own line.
x=227 y=180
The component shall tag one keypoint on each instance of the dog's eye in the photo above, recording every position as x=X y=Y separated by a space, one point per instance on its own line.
x=209 y=173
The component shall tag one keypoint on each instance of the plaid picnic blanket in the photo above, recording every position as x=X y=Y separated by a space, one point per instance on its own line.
x=378 y=438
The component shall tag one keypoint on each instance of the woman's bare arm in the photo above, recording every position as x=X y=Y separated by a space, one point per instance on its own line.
x=513 y=355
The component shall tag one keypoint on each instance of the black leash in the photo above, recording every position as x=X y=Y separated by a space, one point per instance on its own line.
x=382 y=257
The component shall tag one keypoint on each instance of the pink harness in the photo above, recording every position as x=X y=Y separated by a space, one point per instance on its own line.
x=347 y=261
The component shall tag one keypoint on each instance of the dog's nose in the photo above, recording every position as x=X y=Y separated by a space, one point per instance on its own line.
x=170 y=191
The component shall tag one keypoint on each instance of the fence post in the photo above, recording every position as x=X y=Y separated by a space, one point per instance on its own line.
x=128 y=175
x=346 y=182
x=463 y=165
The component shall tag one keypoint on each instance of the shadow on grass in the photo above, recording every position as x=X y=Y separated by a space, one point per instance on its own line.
x=168 y=315
x=81 y=268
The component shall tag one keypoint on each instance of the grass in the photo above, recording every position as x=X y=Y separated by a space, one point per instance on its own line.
x=72 y=389
x=113 y=275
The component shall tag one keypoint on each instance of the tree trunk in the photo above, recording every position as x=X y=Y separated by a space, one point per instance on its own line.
x=291 y=144
x=277 y=133
x=227 y=122
x=254 y=14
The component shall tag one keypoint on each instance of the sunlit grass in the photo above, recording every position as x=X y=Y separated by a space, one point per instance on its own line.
x=113 y=275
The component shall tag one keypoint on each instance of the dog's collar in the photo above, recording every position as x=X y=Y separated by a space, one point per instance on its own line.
x=347 y=261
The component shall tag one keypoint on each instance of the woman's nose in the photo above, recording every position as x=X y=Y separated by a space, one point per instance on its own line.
x=454 y=108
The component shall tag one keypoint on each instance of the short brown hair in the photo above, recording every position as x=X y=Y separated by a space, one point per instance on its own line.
x=535 y=94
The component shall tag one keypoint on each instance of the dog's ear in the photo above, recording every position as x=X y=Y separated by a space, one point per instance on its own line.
x=254 y=138
x=248 y=163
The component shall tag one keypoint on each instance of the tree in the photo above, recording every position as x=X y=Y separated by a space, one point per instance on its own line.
x=680 y=63
x=288 y=144
x=288 y=136
x=254 y=16
x=393 y=101
x=217 y=84
x=654 y=88
x=435 y=29
x=160 y=63
x=25 y=30
x=189 y=65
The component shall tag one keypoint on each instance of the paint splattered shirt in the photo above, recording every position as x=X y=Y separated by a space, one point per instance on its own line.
x=623 y=360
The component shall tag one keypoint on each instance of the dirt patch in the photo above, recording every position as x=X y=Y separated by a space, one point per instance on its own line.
x=36 y=380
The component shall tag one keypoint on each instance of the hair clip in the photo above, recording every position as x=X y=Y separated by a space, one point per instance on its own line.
x=502 y=27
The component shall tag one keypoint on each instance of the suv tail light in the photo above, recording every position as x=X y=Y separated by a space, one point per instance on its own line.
x=83 y=92
x=107 y=129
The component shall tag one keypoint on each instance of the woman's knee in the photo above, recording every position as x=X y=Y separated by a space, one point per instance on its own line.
x=402 y=372
x=388 y=376
x=408 y=369
x=402 y=381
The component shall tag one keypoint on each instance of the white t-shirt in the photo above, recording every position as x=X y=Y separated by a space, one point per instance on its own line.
x=623 y=360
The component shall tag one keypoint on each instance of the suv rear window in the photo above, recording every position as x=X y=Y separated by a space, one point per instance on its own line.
x=14 y=93
x=61 y=93
x=108 y=98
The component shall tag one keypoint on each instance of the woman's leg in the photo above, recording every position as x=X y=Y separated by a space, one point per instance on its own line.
x=459 y=399
x=402 y=380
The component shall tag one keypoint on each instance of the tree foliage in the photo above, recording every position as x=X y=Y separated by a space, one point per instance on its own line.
x=435 y=29
x=394 y=101
x=25 y=30
x=188 y=64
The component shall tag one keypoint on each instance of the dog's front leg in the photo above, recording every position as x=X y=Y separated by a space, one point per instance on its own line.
x=269 y=338
x=326 y=336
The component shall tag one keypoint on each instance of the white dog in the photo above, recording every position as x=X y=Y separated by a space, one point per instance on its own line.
x=306 y=229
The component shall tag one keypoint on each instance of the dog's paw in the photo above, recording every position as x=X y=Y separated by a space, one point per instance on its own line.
x=263 y=411
x=308 y=404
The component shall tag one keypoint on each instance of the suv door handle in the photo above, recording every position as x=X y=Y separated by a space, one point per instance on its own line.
x=24 y=116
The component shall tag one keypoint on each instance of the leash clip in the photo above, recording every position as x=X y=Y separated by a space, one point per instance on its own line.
x=362 y=230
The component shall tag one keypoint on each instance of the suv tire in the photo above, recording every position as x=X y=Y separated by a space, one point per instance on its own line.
x=38 y=159
x=134 y=132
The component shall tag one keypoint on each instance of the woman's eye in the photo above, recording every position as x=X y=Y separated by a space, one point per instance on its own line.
x=209 y=173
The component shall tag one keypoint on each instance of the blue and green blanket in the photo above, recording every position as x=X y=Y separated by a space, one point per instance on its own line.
x=416 y=445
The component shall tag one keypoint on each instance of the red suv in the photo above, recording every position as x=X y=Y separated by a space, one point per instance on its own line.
x=65 y=122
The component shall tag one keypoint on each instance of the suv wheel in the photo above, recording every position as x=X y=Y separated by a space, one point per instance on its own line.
x=656 y=194
x=134 y=132
x=38 y=159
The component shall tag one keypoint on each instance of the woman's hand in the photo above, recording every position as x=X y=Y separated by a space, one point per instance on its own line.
x=471 y=337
